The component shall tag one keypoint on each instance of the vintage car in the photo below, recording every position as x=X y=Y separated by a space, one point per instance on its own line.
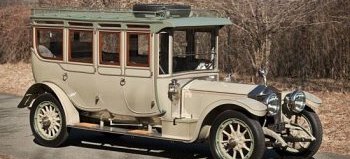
x=152 y=71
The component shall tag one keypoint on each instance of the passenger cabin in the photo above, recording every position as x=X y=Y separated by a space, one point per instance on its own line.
x=123 y=61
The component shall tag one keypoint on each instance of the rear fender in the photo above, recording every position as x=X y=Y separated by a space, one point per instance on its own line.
x=71 y=113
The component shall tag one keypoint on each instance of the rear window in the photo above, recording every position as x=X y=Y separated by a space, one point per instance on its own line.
x=49 y=43
x=80 y=46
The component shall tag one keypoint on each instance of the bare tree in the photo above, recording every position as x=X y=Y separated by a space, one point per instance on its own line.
x=257 y=22
x=293 y=38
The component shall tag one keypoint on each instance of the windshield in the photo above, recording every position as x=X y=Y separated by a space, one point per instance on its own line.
x=193 y=49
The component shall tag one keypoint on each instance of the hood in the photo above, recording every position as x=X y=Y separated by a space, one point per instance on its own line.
x=220 y=87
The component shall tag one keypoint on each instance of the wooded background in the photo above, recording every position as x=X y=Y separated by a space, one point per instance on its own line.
x=303 y=39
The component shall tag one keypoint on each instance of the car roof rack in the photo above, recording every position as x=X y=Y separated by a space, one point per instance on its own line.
x=157 y=19
x=118 y=14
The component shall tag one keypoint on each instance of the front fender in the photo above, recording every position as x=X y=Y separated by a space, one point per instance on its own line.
x=312 y=100
x=71 y=113
x=252 y=106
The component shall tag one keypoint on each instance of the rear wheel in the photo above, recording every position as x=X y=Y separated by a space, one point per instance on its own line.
x=48 y=121
x=234 y=135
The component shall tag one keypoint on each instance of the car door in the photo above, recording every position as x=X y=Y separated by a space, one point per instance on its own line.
x=137 y=84
x=79 y=71
x=109 y=72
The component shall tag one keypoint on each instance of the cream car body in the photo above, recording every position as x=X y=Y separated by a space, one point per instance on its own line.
x=183 y=104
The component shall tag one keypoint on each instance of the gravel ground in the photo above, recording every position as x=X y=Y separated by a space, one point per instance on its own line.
x=6 y=157
x=335 y=117
x=334 y=114
x=15 y=78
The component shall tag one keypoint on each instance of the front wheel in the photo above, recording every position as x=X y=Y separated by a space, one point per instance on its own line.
x=310 y=121
x=233 y=135
x=48 y=121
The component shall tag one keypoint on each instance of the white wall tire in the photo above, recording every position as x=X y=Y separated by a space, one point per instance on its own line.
x=233 y=135
x=48 y=121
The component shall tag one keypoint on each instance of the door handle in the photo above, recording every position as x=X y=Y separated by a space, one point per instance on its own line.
x=122 y=81
x=64 y=76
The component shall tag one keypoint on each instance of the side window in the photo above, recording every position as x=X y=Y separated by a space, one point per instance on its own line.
x=138 y=49
x=49 y=43
x=80 y=46
x=164 y=53
x=109 y=48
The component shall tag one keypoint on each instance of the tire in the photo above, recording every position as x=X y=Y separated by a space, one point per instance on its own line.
x=175 y=9
x=48 y=121
x=251 y=129
x=317 y=132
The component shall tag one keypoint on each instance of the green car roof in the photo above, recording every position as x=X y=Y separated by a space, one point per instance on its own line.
x=156 y=21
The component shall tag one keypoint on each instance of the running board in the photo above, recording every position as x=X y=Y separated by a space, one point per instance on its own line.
x=153 y=134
